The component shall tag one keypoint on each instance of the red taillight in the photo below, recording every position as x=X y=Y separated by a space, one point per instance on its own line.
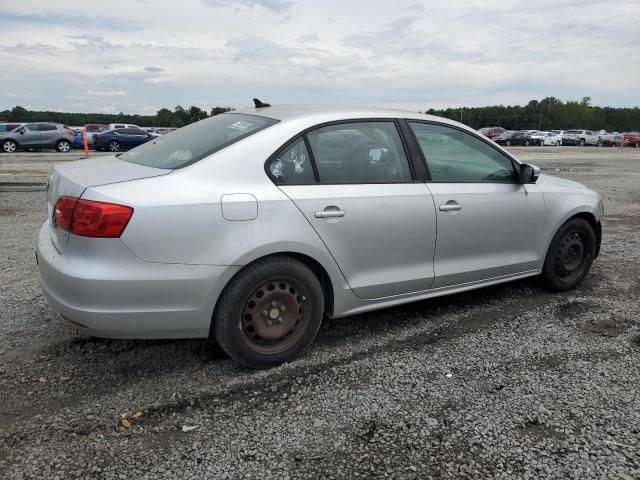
x=91 y=219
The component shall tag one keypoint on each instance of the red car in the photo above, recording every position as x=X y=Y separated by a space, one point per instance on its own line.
x=632 y=139
x=492 y=132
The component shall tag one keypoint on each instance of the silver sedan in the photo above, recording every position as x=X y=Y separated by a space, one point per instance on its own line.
x=248 y=227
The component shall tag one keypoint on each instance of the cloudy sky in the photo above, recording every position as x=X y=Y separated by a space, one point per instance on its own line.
x=138 y=56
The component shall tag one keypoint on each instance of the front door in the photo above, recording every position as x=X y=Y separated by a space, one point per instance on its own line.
x=376 y=221
x=29 y=136
x=489 y=224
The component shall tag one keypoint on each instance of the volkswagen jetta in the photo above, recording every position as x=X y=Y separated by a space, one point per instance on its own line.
x=249 y=226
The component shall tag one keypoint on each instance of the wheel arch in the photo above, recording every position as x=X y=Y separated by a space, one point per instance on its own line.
x=585 y=215
x=314 y=265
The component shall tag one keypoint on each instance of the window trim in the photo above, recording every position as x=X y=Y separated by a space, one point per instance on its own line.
x=303 y=134
x=515 y=164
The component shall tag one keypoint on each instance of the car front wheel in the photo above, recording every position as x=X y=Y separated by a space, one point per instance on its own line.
x=269 y=312
x=526 y=143
x=9 y=146
x=114 y=146
x=570 y=255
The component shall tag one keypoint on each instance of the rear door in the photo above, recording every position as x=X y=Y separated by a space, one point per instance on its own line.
x=354 y=184
x=489 y=224
x=49 y=134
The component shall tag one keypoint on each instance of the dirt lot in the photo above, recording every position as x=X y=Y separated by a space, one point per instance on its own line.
x=504 y=382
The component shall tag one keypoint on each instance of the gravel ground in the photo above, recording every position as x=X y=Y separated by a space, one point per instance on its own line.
x=504 y=382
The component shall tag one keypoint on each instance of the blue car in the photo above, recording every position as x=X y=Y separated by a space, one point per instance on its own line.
x=121 y=139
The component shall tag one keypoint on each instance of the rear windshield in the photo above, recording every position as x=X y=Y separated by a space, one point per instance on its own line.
x=196 y=141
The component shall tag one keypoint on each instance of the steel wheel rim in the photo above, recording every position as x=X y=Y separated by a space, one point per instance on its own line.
x=114 y=147
x=274 y=315
x=570 y=257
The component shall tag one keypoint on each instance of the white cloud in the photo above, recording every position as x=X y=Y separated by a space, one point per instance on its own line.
x=415 y=54
x=113 y=93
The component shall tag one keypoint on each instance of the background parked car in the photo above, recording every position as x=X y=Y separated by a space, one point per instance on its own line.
x=632 y=139
x=567 y=138
x=38 y=136
x=121 y=139
x=7 y=127
x=552 y=138
x=586 y=137
x=92 y=129
x=517 y=137
x=113 y=126
x=492 y=132
x=537 y=135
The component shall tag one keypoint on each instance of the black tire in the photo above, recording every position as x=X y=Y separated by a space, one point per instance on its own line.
x=508 y=143
x=9 y=146
x=581 y=142
x=113 y=146
x=599 y=144
x=557 y=143
x=63 y=146
x=526 y=143
x=250 y=309
x=570 y=255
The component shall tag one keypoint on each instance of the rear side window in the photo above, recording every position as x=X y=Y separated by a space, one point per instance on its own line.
x=359 y=152
x=197 y=141
x=292 y=166
x=47 y=127
x=456 y=156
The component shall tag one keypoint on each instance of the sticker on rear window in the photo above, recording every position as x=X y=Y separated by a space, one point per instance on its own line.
x=240 y=125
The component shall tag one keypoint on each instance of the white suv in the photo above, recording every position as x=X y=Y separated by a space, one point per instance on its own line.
x=586 y=137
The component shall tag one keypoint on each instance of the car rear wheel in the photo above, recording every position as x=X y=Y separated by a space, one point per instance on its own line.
x=557 y=143
x=570 y=255
x=599 y=144
x=581 y=142
x=9 y=146
x=269 y=312
x=526 y=143
x=508 y=143
x=114 y=146
x=63 y=146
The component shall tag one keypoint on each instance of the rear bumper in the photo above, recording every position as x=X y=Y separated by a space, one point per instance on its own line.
x=105 y=290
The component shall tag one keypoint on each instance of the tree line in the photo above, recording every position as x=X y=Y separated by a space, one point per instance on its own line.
x=546 y=114
x=178 y=117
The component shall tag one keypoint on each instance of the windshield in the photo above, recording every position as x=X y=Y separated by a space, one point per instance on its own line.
x=194 y=142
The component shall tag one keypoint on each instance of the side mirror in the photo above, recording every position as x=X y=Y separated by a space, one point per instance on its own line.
x=528 y=173
x=21 y=131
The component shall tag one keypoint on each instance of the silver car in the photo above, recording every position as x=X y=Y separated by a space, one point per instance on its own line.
x=249 y=226
x=38 y=136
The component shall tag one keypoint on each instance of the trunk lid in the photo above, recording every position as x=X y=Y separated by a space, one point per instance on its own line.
x=73 y=178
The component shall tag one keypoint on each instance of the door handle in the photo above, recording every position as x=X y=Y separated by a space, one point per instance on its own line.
x=450 y=207
x=330 y=214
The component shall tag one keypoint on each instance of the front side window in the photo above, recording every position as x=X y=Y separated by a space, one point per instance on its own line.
x=359 y=152
x=292 y=166
x=454 y=155
x=196 y=141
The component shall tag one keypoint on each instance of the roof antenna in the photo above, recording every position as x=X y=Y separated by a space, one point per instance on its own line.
x=259 y=104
